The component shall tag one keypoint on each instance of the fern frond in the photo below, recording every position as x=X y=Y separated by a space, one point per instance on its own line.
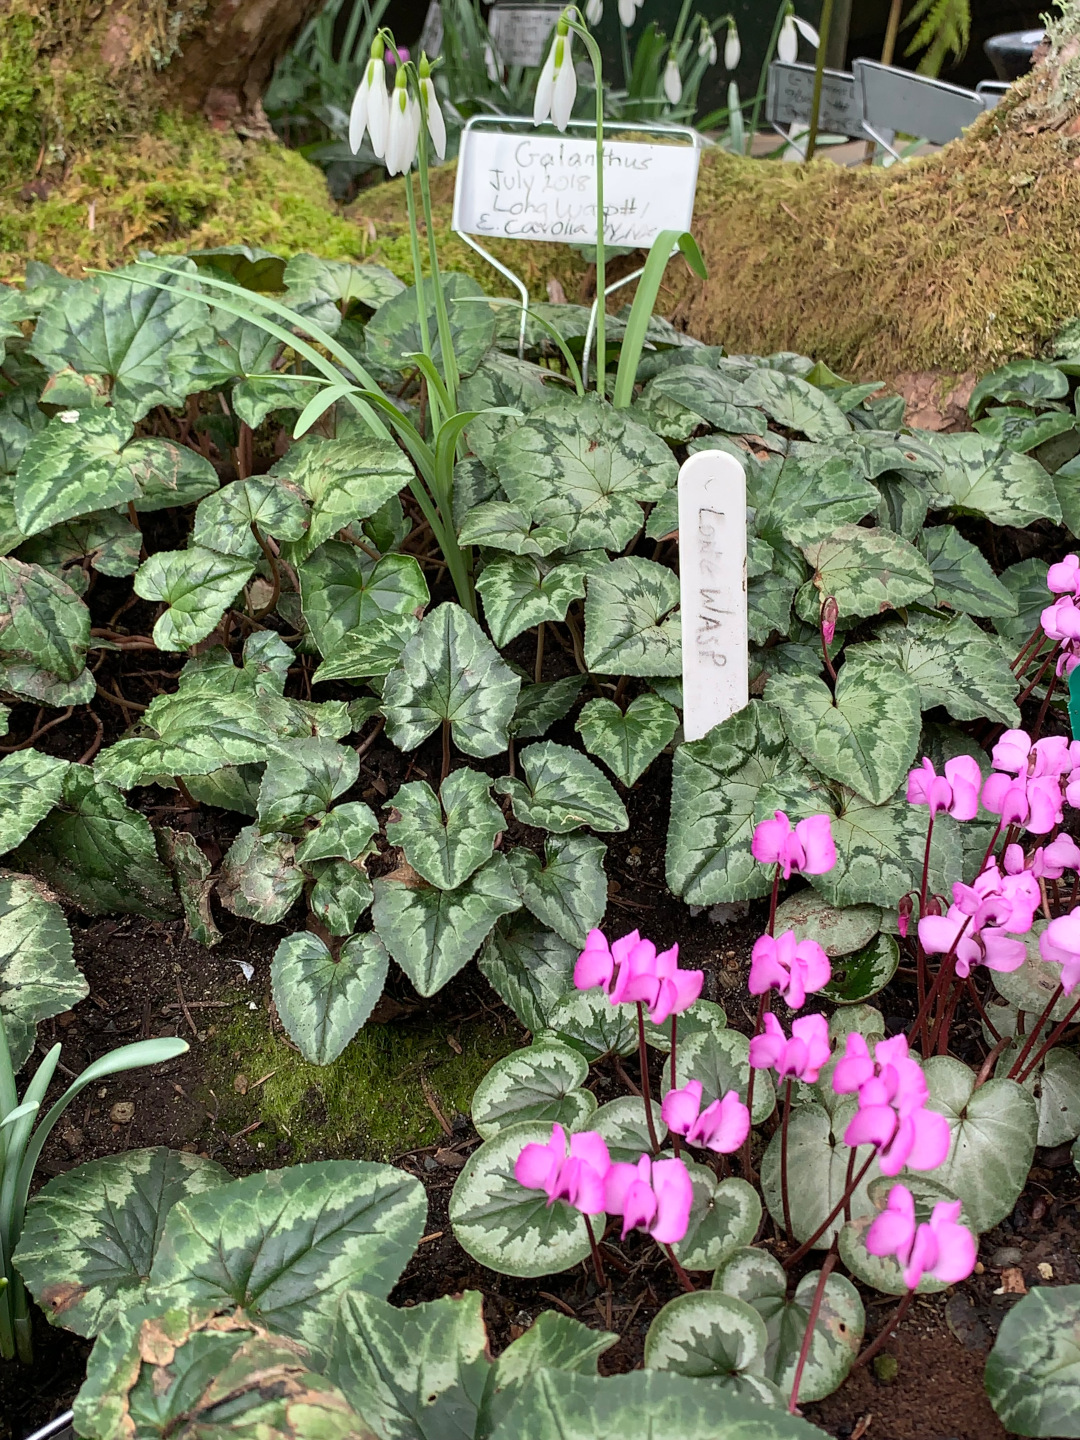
x=943 y=34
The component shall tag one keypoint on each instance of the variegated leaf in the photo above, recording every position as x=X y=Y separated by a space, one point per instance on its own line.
x=197 y=585
x=446 y=837
x=963 y=580
x=724 y=1216
x=30 y=785
x=629 y=740
x=307 y=776
x=38 y=976
x=629 y=625
x=720 y=1060
x=530 y=968
x=954 y=664
x=879 y=852
x=867 y=571
x=345 y=592
x=518 y=593
x=711 y=1334
x=562 y=791
x=568 y=888
x=323 y=1000
x=542 y=1082
x=984 y=478
x=260 y=879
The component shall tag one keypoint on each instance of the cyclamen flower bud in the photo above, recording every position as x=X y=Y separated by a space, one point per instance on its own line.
x=830 y=613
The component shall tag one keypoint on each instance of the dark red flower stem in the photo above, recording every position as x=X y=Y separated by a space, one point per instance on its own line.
x=598 y=1264
x=811 y=1321
x=684 y=1279
x=643 y=1056
x=783 y=1160
x=849 y=1190
x=1055 y=1036
x=1018 y=1063
x=885 y=1331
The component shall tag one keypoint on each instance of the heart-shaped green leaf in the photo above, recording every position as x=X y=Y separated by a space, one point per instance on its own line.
x=865 y=735
x=500 y=382
x=722 y=786
x=224 y=520
x=323 y=1002
x=90 y=1235
x=30 y=785
x=629 y=625
x=304 y=780
x=795 y=404
x=529 y=967
x=804 y=497
x=587 y=1020
x=954 y=664
x=624 y=1128
x=344 y=834
x=197 y=584
x=392 y=337
x=857 y=977
x=518 y=593
x=755 y=1277
x=1020 y=382
x=345 y=592
x=817 y=1171
x=284 y=1245
x=44 y=627
x=562 y=791
x=346 y=480
x=450 y=671
x=725 y=1215
x=1033 y=1371
x=106 y=542
x=705 y=395
x=867 y=571
x=883 y=1272
x=168 y=475
x=260 y=879
x=446 y=836
x=720 y=1060
x=568 y=889
x=994 y=1129
x=984 y=478
x=38 y=977
x=1055 y=1084
x=71 y=468
x=511 y=1229
x=627 y=741
x=432 y=934
x=712 y=1334
x=880 y=849
x=838 y=932
x=340 y=895
x=543 y=1082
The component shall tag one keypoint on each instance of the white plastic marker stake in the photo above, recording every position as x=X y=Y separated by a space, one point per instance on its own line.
x=712 y=579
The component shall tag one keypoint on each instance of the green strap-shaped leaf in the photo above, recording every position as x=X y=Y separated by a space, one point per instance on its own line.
x=629 y=740
x=323 y=1002
x=446 y=837
x=963 y=579
x=1033 y=1371
x=197 y=584
x=722 y=786
x=450 y=671
x=224 y=521
x=432 y=934
x=529 y=967
x=71 y=468
x=867 y=571
x=568 y=888
x=542 y=1082
x=344 y=591
x=30 y=785
x=260 y=878
x=865 y=735
x=38 y=976
x=505 y=1226
x=712 y=1334
x=304 y=780
x=518 y=593
x=629 y=627
x=285 y=1245
x=99 y=854
x=90 y=1236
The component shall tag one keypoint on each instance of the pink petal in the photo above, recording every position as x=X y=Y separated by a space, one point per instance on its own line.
x=638 y=1208
x=815 y=835
x=957 y=1247
x=590 y=1146
x=723 y=1125
x=1011 y=751
x=871 y=1125
x=770 y=839
x=617 y=1182
x=674 y=1199
x=536 y=1166
x=680 y=1107
x=924 y=1256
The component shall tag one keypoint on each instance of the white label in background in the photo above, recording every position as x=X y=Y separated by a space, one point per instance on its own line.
x=712 y=580
x=528 y=186
x=520 y=33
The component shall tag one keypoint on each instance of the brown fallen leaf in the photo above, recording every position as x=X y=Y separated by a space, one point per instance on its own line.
x=1012 y=1282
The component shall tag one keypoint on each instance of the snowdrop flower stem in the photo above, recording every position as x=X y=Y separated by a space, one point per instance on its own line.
x=819 y=75
x=446 y=344
x=570 y=15
x=419 y=283
x=782 y=12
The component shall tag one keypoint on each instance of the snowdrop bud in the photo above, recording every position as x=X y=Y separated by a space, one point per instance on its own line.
x=402 y=131
x=807 y=31
x=628 y=12
x=378 y=101
x=706 y=47
x=594 y=12
x=435 y=123
x=556 y=89
x=732 y=48
x=787 y=46
x=672 y=82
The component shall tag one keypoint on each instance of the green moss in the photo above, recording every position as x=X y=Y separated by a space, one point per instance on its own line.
x=20 y=130
x=370 y=1103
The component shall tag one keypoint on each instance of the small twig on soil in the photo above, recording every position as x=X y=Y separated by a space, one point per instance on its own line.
x=560 y=1304
x=38 y=730
x=433 y=1105
x=246 y=1131
x=187 y=1012
x=95 y=744
x=362 y=750
x=435 y=1235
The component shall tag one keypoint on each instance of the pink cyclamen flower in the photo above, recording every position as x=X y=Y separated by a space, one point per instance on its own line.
x=809 y=847
x=892 y=1095
x=830 y=613
x=578 y=1177
x=721 y=1126
x=941 y=1248
x=799 y=1058
x=1061 y=620
x=1031 y=801
x=956 y=792
x=653 y=1195
x=1009 y=900
x=1064 y=577
x=1059 y=943
x=795 y=968
x=630 y=970
x=1051 y=861
x=986 y=945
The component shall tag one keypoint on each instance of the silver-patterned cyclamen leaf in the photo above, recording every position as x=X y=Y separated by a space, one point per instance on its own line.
x=323 y=1001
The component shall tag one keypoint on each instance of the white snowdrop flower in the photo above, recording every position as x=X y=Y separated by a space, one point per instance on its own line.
x=628 y=11
x=69 y=417
x=807 y=31
x=402 y=131
x=435 y=123
x=594 y=12
x=787 y=45
x=556 y=89
x=371 y=104
x=732 y=48
x=672 y=82
x=706 y=45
